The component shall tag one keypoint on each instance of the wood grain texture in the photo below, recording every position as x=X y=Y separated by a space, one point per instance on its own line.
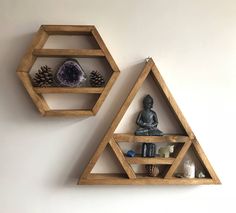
x=123 y=161
x=71 y=112
x=105 y=92
x=102 y=45
x=62 y=53
x=37 y=99
x=121 y=179
x=154 y=160
x=86 y=90
x=171 y=101
x=131 y=138
x=36 y=50
x=88 y=178
x=68 y=29
x=116 y=121
x=28 y=60
x=204 y=160
x=178 y=160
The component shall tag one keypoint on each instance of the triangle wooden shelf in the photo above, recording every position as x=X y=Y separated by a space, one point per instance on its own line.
x=37 y=50
x=112 y=139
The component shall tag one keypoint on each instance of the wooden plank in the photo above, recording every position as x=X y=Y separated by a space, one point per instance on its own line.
x=116 y=121
x=204 y=160
x=68 y=29
x=131 y=138
x=119 y=154
x=71 y=112
x=121 y=179
x=154 y=160
x=102 y=45
x=28 y=60
x=37 y=99
x=178 y=160
x=86 y=90
x=82 y=53
x=105 y=92
x=171 y=101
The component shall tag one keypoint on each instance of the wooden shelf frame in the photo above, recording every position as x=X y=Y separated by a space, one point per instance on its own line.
x=131 y=138
x=80 y=90
x=36 y=50
x=130 y=177
x=121 y=179
x=153 y=160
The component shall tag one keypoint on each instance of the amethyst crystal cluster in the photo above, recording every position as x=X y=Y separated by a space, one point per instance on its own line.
x=70 y=74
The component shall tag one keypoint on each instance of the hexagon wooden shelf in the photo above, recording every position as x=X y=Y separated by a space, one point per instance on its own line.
x=36 y=50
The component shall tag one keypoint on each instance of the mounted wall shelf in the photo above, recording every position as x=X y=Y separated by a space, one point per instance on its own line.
x=37 y=50
x=184 y=142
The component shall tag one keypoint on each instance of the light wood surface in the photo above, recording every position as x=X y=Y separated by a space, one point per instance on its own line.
x=28 y=60
x=71 y=112
x=36 y=50
x=119 y=154
x=68 y=29
x=102 y=45
x=105 y=92
x=154 y=160
x=187 y=140
x=131 y=138
x=86 y=90
x=38 y=100
x=178 y=160
x=82 y=53
x=121 y=179
x=205 y=162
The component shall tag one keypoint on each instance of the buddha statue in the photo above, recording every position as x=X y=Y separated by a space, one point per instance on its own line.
x=147 y=119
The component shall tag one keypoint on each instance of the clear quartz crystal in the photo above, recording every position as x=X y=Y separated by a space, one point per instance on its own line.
x=189 y=169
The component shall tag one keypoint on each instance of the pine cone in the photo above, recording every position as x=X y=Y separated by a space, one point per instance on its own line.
x=152 y=170
x=96 y=79
x=44 y=77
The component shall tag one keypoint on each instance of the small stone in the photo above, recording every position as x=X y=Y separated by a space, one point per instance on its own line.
x=130 y=153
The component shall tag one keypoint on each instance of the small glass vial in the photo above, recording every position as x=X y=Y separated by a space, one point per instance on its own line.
x=189 y=169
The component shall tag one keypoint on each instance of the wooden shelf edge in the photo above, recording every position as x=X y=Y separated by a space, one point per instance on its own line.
x=68 y=29
x=111 y=179
x=75 y=112
x=68 y=53
x=131 y=138
x=85 y=90
x=146 y=160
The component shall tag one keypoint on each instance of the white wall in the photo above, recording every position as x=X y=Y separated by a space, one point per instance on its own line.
x=193 y=45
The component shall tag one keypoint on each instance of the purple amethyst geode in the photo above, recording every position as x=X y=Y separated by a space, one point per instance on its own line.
x=70 y=74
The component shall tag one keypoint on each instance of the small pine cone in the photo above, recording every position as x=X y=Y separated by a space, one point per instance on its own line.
x=152 y=170
x=96 y=79
x=44 y=77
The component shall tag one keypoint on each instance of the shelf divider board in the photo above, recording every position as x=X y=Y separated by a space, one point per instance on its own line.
x=86 y=90
x=146 y=160
x=68 y=29
x=131 y=138
x=82 y=53
x=113 y=138
x=121 y=179
x=71 y=112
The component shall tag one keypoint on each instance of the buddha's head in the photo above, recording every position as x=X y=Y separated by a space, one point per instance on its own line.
x=148 y=102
